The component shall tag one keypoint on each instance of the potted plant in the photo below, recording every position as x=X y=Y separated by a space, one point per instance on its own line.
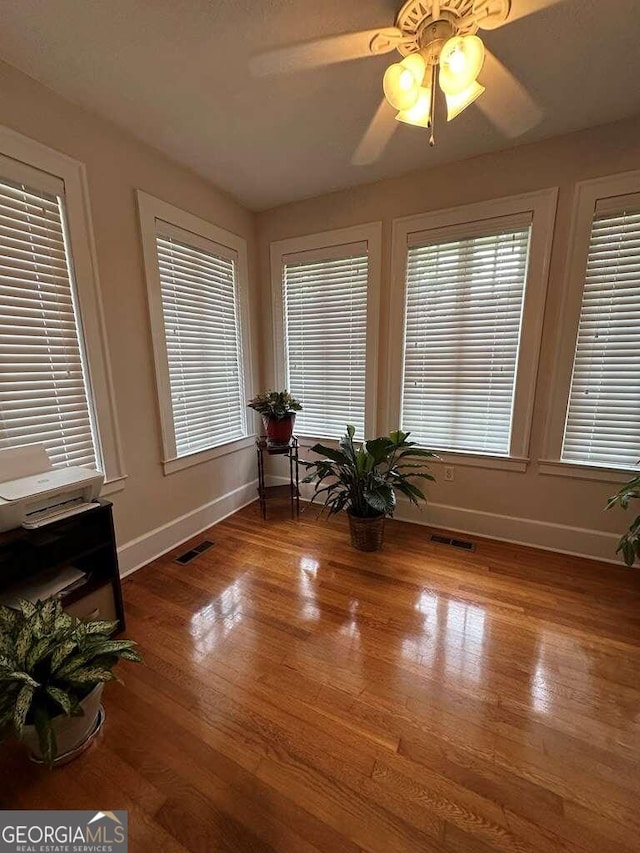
x=53 y=667
x=364 y=481
x=278 y=410
x=630 y=543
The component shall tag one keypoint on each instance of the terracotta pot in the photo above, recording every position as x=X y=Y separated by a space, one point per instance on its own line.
x=70 y=732
x=279 y=430
x=366 y=533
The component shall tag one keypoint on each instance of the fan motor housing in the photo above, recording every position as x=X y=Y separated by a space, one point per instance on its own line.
x=417 y=18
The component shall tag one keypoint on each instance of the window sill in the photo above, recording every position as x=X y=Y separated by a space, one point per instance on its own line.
x=172 y=465
x=470 y=460
x=481 y=460
x=110 y=487
x=579 y=471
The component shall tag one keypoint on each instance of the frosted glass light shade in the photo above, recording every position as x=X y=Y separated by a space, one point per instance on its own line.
x=403 y=80
x=420 y=112
x=461 y=61
x=459 y=102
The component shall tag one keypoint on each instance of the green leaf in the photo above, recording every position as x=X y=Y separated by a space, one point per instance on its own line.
x=100 y=627
x=61 y=653
x=109 y=647
x=9 y=618
x=37 y=653
x=46 y=735
x=331 y=453
x=90 y=675
x=351 y=431
x=28 y=609
x=21 y=709
x=379 y=448
x=23 y=643
x=23 y=677
x=61 y=698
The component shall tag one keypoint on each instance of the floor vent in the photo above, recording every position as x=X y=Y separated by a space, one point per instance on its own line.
x=463 y=544
x=185 y=558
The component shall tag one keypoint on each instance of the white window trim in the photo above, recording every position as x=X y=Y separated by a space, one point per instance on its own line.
x=371 y=234
x=83 y=253
x=542 y=205
x=151 y=209
x=587 y=195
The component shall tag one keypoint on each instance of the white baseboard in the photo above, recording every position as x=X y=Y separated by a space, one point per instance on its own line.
x=138 y=552
x=561 y=538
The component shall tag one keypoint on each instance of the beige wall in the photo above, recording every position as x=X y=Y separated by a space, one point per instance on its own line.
x=116 y=165
x=557 y=162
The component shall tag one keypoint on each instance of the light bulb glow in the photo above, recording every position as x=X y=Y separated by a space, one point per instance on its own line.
x=461 y=61
x=457 y=61
x=403 y=80
x=460 y=101
x=420 y=114
x=406 y=80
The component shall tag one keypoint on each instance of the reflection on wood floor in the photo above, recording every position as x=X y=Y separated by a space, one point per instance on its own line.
x=301 y=696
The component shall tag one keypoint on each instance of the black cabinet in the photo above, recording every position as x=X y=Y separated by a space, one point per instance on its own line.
x=84 y=545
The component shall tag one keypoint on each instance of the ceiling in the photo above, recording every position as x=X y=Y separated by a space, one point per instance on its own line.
x=175 y=73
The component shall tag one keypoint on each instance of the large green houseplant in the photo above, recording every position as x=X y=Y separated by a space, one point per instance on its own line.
x=364 y=480
x=629 y=544
x=278 y=410
x=52 y=670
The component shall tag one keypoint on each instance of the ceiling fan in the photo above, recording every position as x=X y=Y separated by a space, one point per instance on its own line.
x=439 y=48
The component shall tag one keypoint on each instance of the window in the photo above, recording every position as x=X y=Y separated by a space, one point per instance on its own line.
x=469 y=287
x=60 y=392
x=44 y=392
x=195 y=275
x=603 y=415
x=593 y=425
x=326 y=290
x=463 y=318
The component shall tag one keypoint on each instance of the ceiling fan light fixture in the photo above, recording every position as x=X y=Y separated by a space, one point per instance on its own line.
x=460 y=101
x=403 y=80
x=420 y=113
x=461 y=61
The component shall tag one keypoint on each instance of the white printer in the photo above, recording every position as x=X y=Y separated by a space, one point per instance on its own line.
x=33 y=493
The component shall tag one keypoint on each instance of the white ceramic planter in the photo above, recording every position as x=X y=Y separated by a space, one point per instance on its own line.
x=70 y=732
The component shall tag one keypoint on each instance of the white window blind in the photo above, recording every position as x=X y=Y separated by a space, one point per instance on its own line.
x=603 y=417
x=44 y=391
x=325 y=305
x=464 y=302
x=203 y=344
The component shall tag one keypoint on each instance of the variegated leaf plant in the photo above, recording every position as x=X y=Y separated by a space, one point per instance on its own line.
x=49 y=662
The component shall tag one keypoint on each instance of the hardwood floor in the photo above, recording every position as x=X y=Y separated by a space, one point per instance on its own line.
x=301 y=696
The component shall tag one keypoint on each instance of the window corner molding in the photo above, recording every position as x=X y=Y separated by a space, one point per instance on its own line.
x=330 y=246
x=26 y=151
x=441 y=226
x=587 y=196
x=175 y=243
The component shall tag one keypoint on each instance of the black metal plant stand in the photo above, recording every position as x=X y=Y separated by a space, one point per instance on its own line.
x=289 y=450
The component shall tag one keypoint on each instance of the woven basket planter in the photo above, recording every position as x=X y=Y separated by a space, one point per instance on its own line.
x=366 y=533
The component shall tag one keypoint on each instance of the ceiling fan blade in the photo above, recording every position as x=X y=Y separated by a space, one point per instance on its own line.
x=325 y=51
x=377 y=136
x=524 y=8
x=506 y=103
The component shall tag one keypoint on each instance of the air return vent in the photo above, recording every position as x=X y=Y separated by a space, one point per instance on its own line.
x=185 y=558
x=463 y=544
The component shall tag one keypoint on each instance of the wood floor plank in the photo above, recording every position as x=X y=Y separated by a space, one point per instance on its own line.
x=300 y=696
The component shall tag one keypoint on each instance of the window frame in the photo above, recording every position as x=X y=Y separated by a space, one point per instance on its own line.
x=231 y=245
x=86 y=286
x=541 y=205
x=586 y=196
x=330 y=241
